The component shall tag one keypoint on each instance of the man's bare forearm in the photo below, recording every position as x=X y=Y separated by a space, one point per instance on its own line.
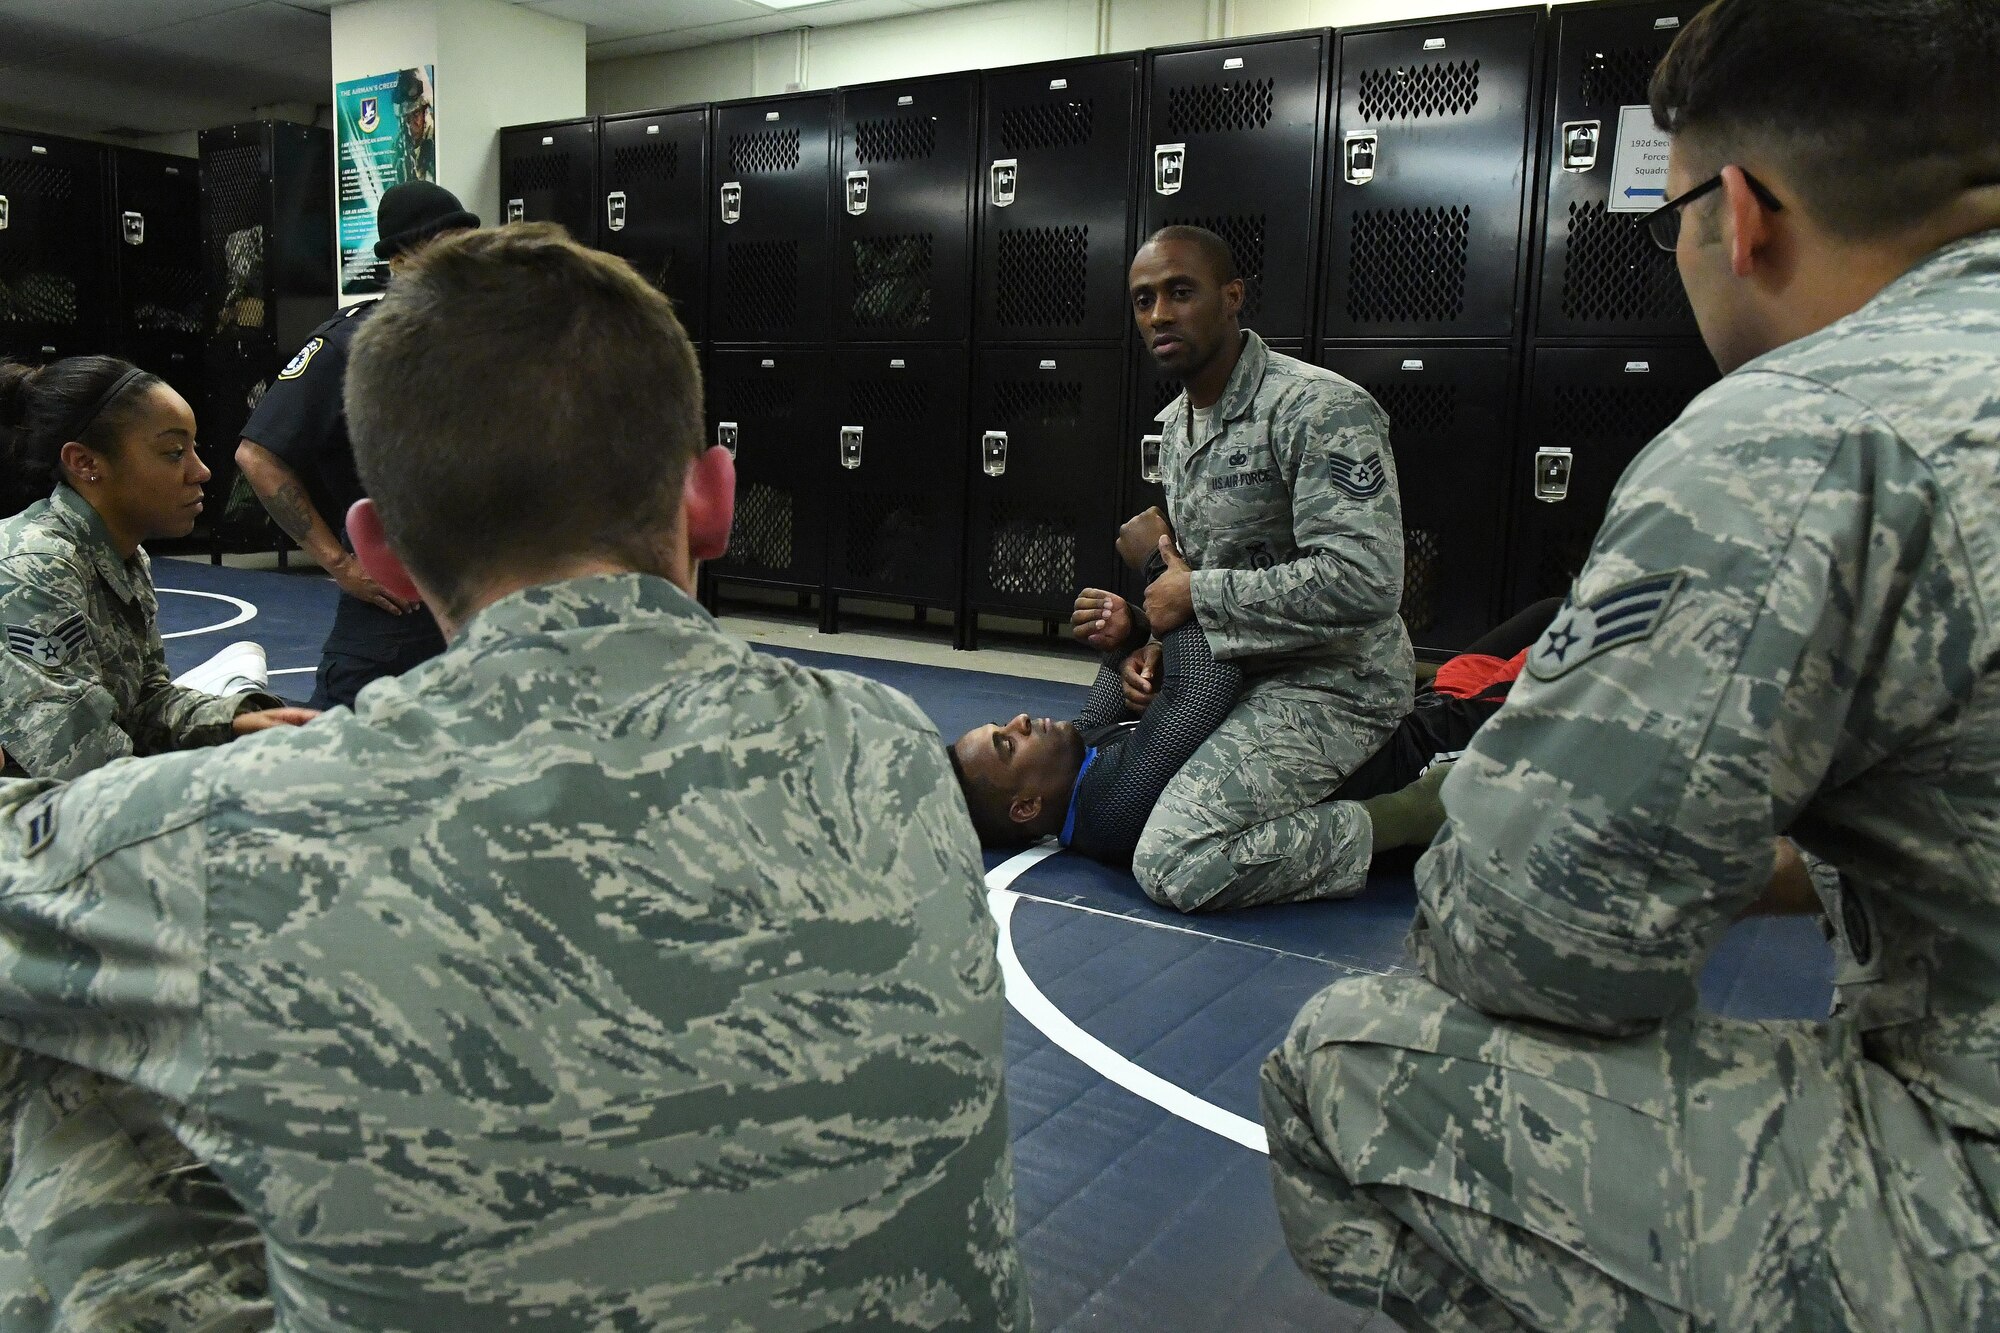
x=284 y=497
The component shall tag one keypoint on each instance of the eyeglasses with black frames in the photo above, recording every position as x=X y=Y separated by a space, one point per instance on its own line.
x=1663 y=224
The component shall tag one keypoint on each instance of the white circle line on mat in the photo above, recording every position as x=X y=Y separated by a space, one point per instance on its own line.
x=1058 y=1027
x=244 y=611
x=292 y=671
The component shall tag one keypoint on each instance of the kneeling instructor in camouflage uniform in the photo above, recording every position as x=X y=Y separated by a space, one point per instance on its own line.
x=1787 y=627
x=1282 y=493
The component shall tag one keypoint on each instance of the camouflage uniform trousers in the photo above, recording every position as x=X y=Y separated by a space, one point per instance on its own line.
x=91 y=1171
x=1247 y=819
x=1460 y=1172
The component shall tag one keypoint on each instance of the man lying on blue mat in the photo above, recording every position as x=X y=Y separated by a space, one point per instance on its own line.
x=1093 y=782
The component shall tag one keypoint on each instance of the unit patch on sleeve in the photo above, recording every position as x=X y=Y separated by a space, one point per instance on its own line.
x=1628 y=613
x=297 y=365
x=1359 y=478
x=57 y=648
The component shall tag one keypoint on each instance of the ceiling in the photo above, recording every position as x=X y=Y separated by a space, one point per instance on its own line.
x=135 y=68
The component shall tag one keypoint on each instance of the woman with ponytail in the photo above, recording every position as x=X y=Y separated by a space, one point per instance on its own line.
x=83 y=676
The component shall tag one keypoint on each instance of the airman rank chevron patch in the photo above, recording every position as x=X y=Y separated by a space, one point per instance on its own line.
x=1359 y=478
x=57 y=648
x=1627 y=614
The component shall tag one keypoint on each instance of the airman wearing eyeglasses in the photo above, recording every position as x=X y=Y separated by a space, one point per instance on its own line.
x=1789 y=625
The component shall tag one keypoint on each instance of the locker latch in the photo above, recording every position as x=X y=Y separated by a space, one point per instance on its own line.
x=134 y=227
x=1149 y=458
x=517 y=210
x=1002 y=175
x=1580 y=144
x=850 y=447
x=1360 y=157
x=3 y=212
x=732 y=201
x=1552 y=466
x=725 y=435
x=1169 y=167
x=614 y=210
x=857 y=192
x=993 y=452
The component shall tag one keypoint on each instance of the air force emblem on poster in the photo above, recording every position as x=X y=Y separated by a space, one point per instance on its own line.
x=1359 y=478
x=57 y=648
x=297 y=365
x=1627 y=614
x=370 y=118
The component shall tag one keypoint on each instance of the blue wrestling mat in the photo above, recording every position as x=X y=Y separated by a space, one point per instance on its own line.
x=1135 y=1034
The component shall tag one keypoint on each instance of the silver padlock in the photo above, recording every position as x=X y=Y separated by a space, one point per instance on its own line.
x=1552 y=470
x=1149 y=458
x=993 y=452
x=726 y=435
x=850 y=447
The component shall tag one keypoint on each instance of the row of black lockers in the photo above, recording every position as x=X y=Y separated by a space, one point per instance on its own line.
x=100 y=252
x=918 y=341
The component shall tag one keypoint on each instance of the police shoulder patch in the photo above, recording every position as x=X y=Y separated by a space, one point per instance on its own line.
x=1359 y=478
x=57 y=648
x=297 y=365
x=1626 y=614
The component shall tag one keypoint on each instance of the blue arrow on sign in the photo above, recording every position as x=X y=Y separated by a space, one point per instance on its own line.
x=1632 y=192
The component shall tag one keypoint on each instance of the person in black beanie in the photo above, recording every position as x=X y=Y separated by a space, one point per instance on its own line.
x=296 y=456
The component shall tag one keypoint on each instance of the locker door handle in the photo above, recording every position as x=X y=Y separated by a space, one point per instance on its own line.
x=1358 y=154
x=993 y=452
x=1169 y=168
x=732 y=201
x=517 y=210
x=850 y=447
x=3 y=212
x=1579 y=141
x=133 y=225
x=614 y=210
x=1552 y=471
x=1149 y=458
x=1004 y=175
x=726 y=435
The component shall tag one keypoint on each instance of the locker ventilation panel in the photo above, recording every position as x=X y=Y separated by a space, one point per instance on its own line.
x=762 y=535
x=892 y=281
x=891 y=538
x=1220 y=108
x=903 y=139
x=1419 y=414
x=1421 y=418
x=538 y=171
x=1415 y=91
x=1620 y=77
x=1245 y=234
x=36 y=180
x=878 y=400
x=233 y=186
x=1164 y=392
x=37 y=298
x=1407 y=265
x=767 y=398
x=762 y=282
x=764 y=151
x=1032 y=553
x=1564 y=551
x=1423 y=578
x=1037 y=403
x=164 y=300
x=1612 y=273
x=1028 y=129
x=1040 y=277
x=645 y=162
x=1616 y=419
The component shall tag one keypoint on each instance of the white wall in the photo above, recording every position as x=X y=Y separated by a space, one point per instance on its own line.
x=982 y=36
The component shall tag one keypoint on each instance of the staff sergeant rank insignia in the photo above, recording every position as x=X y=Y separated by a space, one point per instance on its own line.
x=58 y=647
x=1360 y=478
x=1627 y=614
x=297 y=365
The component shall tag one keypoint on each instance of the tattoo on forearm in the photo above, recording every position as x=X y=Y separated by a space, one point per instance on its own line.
x=294 y=512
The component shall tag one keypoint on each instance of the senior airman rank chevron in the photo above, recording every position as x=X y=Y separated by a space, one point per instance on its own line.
x=56 y=648
x=1361 y=478
x=1626 y=614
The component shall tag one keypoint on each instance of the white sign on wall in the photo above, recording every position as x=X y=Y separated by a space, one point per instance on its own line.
x=1639 y=168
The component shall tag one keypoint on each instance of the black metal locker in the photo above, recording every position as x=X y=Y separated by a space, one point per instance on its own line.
x=1451 y=428
x=1601 y=276
x=54 y=301
x=154 y=220
x=771 y=191
x=1428 y=167
x=1589 y=411
x=654 y=169
x=898 y=458
x=1233 y=144
x=903 y=248
x=1043 y=512
x=768 y=405
x=1055 y=236
x=548 y=173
